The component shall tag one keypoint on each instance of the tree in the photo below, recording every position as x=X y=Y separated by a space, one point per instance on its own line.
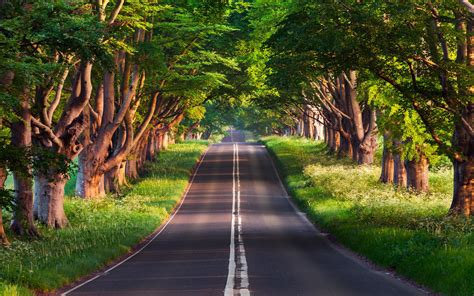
x=420 y=49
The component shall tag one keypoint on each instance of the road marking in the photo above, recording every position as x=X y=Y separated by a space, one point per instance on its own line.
x=238 y=268
x=229 y=287
x=152 y=239
x=242 y=266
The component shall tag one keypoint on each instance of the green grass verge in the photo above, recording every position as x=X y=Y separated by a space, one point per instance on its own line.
x=100 y=230
x=407 y=232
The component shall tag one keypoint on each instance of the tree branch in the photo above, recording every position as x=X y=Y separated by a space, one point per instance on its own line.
x=468 y=5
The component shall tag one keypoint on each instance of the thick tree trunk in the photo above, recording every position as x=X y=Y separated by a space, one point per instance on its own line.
x=355 y=149
x=131 y=169
x=366 y=150
x=115 y=178
x=417 y=173
x=327 y=140
x=49 y=200
x=463 y=199
x=400 y=172
x=345 y=147
x=159 y=142
x=308 y=123
x=166 y=140
x=151 y=148
x=336 y=141
x=23 y=222
x=3 y=236
x=388 y=166
x=463 y=196
x=88 y=184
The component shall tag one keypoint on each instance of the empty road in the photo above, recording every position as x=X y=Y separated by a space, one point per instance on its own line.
x=236 y=233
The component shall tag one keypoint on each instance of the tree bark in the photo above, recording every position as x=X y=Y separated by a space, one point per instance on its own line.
x=345 y=146
x=366 y=151
x=131 y=169
x=388 y=164
x=400 y=172
x=151 y=147
x=165 y=141
x=88 y=184
x=463 y=199
x=417 y=173
x=115 y=178
x=49 y=200
x=3 y=236
x=23 y=222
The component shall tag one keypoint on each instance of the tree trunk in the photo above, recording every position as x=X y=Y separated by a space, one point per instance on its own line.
x=49 y=200
x=151 y=148
x=336 y=141
x=400 y=172
x=23 y=222
x=417 y=173
x=366 y=150
x=327 y=140
x=131 y=169
x=166 y=140
x=159 y=142
x=345 y=147
x=388 y=166
x=88 y=184
x=463 y=199
x=3 y=237
x=115 y=178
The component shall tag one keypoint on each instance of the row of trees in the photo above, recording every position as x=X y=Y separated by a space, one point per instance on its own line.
x=103 y=84
x=401 y=69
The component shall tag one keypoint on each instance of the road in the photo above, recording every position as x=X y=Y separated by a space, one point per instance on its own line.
x=237 y=233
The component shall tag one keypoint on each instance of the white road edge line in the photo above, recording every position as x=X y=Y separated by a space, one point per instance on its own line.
x=153 y=238
x=341 y=250
x=243 y=268
x=229 y=287
x=242 y=272
x=287 y=196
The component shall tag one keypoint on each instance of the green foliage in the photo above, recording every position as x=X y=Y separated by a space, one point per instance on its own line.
x=101 y=230
x=6 y=199
x=409 y=45
x=407 y=232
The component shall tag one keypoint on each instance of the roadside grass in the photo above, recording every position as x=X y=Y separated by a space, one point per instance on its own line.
x=101 y=229
x=406 y=232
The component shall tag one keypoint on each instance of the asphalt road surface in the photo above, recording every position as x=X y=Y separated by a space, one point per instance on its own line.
x=237 y=233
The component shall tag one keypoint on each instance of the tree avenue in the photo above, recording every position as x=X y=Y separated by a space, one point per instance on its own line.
x=103 y=82
x=399 y=69
x=102 y=86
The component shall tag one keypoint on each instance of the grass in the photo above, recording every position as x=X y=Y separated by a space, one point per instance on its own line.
x=101 y=230
x=407 y=232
